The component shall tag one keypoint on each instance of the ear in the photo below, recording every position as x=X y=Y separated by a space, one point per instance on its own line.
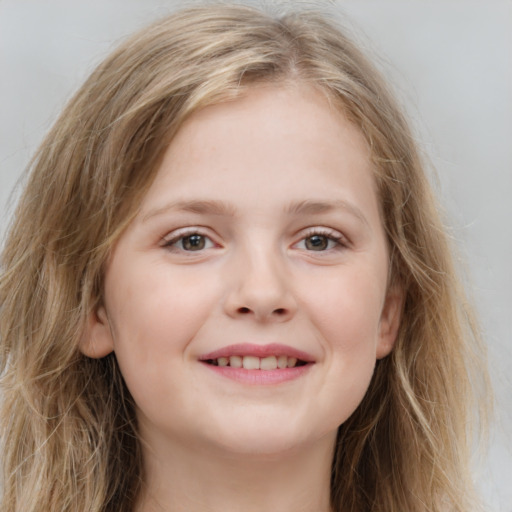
x=97 y=341
x=390 y=321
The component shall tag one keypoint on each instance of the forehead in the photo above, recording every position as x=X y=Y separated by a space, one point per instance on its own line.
x=272 y=143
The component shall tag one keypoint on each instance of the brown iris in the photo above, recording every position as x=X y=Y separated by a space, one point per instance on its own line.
x=193 y=242
x=317 y=243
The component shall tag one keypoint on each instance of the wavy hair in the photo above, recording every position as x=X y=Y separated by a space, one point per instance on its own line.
x=68 y=425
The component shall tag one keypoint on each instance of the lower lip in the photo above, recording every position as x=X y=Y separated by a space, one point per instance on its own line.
x=260 y=377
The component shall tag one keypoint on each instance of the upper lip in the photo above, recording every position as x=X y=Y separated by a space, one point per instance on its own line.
x=249 y=349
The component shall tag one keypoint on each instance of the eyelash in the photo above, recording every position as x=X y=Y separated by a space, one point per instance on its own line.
x=328 y=234
x=181 y=236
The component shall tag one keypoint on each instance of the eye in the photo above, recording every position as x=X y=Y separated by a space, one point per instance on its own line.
x=190 y=242
x=318 y=243
x=321 y=241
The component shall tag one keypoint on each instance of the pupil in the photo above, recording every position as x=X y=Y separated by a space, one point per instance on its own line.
x=193 y=242
x=317 y=243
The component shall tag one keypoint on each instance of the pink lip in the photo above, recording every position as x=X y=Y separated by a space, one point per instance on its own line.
x=249 y=349
x=259 y=377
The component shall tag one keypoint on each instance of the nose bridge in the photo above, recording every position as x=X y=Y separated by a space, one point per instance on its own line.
x=259 y=283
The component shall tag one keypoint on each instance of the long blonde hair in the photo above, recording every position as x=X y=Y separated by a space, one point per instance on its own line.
x=68 y=425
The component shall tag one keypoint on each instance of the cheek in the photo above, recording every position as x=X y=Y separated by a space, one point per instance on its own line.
x=155 y=305
x=154 y=314
x=347 y=310
x=346 y=314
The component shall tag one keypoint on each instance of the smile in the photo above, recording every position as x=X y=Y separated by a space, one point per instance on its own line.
x=257 y=363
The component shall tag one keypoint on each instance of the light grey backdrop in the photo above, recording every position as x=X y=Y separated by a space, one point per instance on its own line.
x=451 y=61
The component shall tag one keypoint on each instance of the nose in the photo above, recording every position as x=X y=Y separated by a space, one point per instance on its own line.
x=260 y=288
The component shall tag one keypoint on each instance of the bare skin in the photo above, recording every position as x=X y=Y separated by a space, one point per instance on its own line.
x=259 y=243
x=291 y=482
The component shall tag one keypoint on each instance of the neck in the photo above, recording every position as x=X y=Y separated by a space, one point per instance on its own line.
x=180 y=479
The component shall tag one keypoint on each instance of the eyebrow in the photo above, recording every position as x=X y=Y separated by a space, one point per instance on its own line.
x=213 y=207
x=200 y=207
x=309 y=207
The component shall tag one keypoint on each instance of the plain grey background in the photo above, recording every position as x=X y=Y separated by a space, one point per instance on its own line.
x=451 y=64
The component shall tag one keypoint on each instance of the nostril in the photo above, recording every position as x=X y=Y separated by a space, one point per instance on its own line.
x=279 y=311
x=244 y=310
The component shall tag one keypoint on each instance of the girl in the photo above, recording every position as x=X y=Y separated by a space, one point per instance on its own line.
x=226 y=287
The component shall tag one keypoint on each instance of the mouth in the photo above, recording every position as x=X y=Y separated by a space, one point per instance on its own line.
x=259 y=364
x=268 y=363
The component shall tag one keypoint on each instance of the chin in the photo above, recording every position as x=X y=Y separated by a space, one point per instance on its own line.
x=263 y=438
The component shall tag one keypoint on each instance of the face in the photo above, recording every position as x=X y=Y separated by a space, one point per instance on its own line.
x=247 y=303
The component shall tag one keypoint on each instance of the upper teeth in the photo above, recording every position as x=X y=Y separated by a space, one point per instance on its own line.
x=257 y=363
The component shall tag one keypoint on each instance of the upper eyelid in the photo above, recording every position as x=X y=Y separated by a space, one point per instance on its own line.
x=174 y=237
x=320 y=229
x=324 y=231
x=176 y=234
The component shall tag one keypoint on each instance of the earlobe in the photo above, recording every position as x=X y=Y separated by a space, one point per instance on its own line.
x=97 y=341
x=389 y=322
